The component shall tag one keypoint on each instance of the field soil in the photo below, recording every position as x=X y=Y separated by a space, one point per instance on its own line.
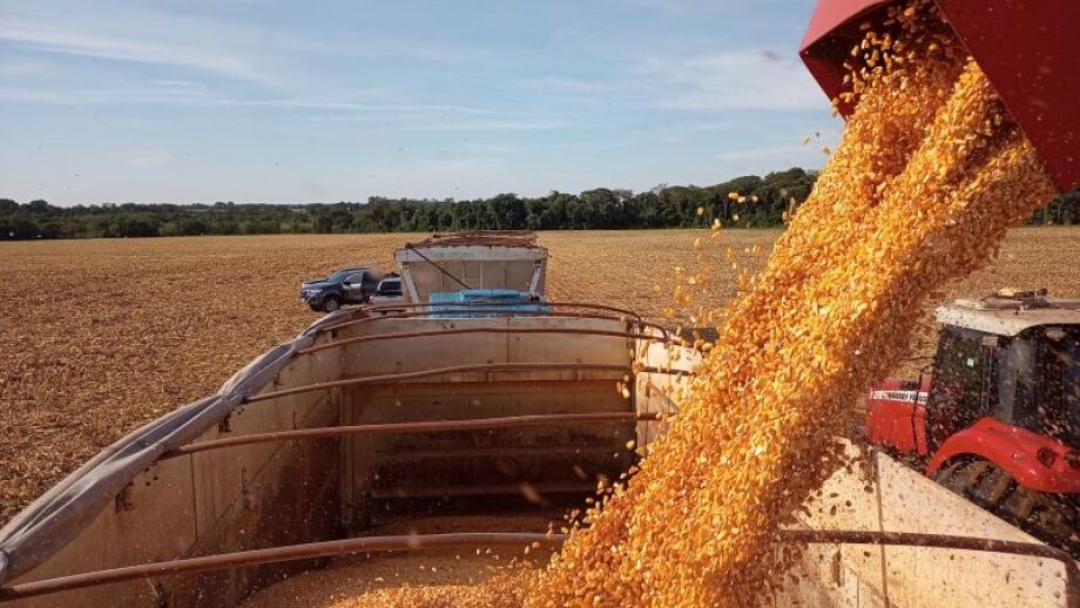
x=98 y=337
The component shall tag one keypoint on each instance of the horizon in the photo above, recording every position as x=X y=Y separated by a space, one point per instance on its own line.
x=368 y=200
x=265 y=101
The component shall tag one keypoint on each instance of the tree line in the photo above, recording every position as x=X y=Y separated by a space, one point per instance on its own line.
x=749 y=201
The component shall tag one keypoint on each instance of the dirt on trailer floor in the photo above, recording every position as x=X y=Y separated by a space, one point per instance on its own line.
x=98 y=337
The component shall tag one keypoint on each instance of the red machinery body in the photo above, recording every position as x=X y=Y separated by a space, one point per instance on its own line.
x=1025 y=47
x=896 y=419
x=896 y=416
x=1016 y=451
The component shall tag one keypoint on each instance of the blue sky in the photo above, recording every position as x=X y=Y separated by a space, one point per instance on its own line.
x=285 y=101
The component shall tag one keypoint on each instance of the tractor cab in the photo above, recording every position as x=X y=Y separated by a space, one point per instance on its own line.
x=1011 y=357
x=999 y=420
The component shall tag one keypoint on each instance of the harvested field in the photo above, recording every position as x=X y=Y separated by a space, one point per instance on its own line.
x=99 y=337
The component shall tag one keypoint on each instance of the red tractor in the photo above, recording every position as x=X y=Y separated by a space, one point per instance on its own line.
x=1000 y=420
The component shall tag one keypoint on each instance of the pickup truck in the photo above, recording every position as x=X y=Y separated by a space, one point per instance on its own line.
x=346 y=286
x=388 y=294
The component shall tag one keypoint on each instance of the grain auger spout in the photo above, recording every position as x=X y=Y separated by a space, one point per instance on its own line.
x=1024 y=47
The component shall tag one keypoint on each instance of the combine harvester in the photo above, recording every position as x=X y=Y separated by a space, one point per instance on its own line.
x=480 y=396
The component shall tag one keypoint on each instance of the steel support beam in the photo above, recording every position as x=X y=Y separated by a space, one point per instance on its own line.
x=457 y=369
x=369 y=544
x=426 y=426
x=386 y=544
x=487 y=330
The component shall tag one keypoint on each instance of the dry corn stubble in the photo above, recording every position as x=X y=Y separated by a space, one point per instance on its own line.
x=834 y=307
x=100 y=336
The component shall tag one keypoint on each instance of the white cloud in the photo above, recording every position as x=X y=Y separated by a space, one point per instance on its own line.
x=405 y=111
x=493 y=125
x=785 y=153
x=152 y=93
x=179 y=84
x=185 y=93
x=23 y=68
x=447 y=177
x=558 y=84
x=770 y=157
x=738 y=80
x=673 y=8
x=716 y=125
x=151 y=158
x=325 y=104
x=120 y=46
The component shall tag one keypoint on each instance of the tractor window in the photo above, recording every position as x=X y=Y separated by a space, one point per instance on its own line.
x=1015 y=365
x=1048 y=398
x=957 y=399
x=1070 y=360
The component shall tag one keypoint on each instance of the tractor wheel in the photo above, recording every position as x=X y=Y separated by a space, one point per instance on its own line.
x=959 y=475
x=990 y=486
x=1052 y=518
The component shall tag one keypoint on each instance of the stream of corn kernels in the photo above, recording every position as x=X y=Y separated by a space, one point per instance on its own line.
x=930 y=173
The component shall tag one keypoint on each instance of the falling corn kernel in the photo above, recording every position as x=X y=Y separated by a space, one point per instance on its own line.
x=754 y=436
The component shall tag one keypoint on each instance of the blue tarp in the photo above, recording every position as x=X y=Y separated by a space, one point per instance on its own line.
x=485 y=303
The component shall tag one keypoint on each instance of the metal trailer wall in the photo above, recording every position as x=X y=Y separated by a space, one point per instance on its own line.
x=885 y=495
x=658 y=392
x=408 y=354
x=478 y=274
x=126 y=508
x=470 y=464
x=426 y=270
x=123 y=508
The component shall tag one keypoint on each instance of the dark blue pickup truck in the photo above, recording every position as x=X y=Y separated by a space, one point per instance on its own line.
x=346 y=286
